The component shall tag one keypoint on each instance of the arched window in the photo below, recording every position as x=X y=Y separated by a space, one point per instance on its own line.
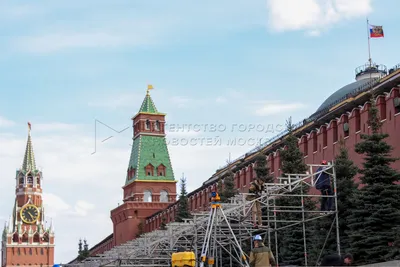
x=157 y=125
x=147 y=196
x=163 y=196
x=29 y=179
x=147 y=125
x=21 y=179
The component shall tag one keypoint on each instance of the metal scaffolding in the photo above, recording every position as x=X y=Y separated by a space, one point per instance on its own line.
x=155 y=248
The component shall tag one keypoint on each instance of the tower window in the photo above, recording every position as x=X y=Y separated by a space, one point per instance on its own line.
x=163 y=196
x=157 y=125
x=30 y=179
x=149 y=169
x=21 y=179
x=147 y=197
x=161 y=170
x=147 y=125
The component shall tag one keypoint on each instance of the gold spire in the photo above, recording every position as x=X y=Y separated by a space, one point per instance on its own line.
x=149 y=87
x=29 y=163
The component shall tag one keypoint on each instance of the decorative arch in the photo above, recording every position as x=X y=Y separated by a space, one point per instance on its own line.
x=366 y=106
x=164 y=197
x=147 y=196
x=332 y=123
x=343 y=117
x=29 y=179
x=36 y=238
x=25 y=237
x=21 y=179
x=38 y=179
x=157 y=125
x=15 y=237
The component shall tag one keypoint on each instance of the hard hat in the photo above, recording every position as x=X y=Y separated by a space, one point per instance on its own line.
x=324 y=162
x=257 y=237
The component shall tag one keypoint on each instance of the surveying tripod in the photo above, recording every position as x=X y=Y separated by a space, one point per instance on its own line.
x=211 y=226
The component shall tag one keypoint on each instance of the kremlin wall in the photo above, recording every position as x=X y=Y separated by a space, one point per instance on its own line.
x=343 y=115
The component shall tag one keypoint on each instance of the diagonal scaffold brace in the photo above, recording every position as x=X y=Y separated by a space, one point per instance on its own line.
x=209 y=250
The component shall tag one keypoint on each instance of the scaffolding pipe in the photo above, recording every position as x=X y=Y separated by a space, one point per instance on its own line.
x=304 y=228
x=337 y=211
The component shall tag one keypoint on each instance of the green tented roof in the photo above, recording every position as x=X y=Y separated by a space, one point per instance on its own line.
x=148 y=105
x=147 y=149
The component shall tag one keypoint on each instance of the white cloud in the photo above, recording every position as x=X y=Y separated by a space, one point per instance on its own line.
x=271 y=108
x=314 y=15
x=80 y=189
x=82 y=207
x=5 y=122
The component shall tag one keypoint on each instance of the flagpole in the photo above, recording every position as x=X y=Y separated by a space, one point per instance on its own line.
x=369 y=44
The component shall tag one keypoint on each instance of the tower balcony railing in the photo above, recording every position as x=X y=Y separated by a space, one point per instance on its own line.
x=370 y=68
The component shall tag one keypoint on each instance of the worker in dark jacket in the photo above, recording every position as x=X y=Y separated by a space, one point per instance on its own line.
x=337 y=260
x=261 y=256
x=323 y=183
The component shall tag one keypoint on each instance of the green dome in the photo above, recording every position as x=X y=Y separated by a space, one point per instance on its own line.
x=337 y=96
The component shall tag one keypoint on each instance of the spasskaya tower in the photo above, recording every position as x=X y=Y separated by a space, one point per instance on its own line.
x=27 y=241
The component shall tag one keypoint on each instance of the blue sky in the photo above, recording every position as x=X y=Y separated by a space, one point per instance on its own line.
x=65 y=63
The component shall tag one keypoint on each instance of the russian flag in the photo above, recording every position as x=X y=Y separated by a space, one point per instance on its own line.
x=376 y=31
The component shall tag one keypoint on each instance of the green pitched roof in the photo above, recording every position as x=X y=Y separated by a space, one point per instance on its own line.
x=147 y=149
x=148 y=105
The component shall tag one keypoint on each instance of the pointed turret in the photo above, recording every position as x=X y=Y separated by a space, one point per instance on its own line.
x=149 y=178
x=25 y=229
x=149 y=157
x=29 y=163
x=148 y=106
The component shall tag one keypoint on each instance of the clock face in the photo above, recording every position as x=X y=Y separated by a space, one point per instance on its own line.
x=29 y=214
